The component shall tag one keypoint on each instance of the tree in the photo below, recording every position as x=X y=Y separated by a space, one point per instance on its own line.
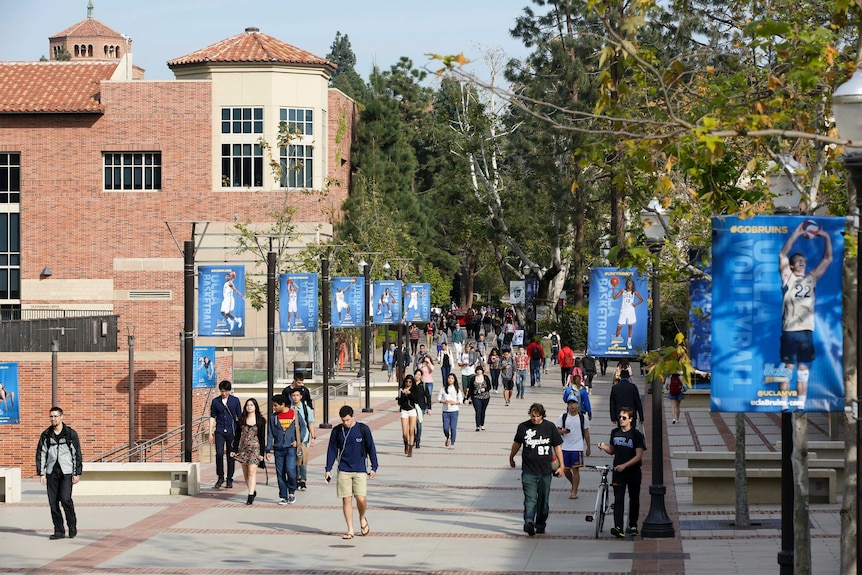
x=345 y=77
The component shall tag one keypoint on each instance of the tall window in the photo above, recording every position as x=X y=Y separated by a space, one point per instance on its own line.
x=133 y=171
x=298 y=120
x=242 y=120
x=241 y=165
x=10 y=256
x=296 y=167
x=10 y=178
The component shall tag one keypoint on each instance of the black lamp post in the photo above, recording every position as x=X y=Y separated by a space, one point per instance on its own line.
x=366 y=336
x=657 y=523
x=847 y=108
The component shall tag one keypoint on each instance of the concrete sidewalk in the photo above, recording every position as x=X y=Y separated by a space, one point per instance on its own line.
x=441 y=511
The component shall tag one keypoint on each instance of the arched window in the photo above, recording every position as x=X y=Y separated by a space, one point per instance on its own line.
x=90 y=50
x=106 y=51
x=77 y=51
x=117 y=51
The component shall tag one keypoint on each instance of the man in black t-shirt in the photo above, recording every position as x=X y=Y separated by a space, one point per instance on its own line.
x=541 y=442
x=299 y=383
x=627 y=446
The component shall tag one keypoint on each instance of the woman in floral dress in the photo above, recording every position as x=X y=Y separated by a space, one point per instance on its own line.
x=249 y=445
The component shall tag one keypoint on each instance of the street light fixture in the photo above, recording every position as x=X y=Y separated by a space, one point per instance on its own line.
x=365 y=368
x=657 y=523
x=847 y=108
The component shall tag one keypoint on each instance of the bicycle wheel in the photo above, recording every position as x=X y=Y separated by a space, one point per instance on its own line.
x=605 y=506
x=601 y=500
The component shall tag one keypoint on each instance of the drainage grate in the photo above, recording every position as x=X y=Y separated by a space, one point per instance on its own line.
x=725 y=524
x=650 y=556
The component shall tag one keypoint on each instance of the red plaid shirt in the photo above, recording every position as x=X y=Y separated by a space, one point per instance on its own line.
x=522 y=362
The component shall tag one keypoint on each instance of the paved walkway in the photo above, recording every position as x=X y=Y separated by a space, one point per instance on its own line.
x=441 y=511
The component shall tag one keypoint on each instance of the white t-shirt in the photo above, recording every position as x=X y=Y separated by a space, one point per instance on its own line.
x=573 y=441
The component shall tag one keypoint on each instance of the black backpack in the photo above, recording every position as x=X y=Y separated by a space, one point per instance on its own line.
x=581 y=413
x=535 y=353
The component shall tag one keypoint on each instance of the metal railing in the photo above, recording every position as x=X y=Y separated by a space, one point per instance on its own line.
x=166 y=447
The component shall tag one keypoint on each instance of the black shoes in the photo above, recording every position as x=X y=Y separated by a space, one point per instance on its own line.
x=55 y=536
x=229 y=484
x=618 y=533
x=73 y=531
x=540 y=530
x=633 y=531
x=250 y=499
x=530 y=528
x=219 y=482
x=302 y=486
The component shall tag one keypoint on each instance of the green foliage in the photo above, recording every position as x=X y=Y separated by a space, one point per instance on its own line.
x=345 y=77
x=62 y=54
x=573 y=326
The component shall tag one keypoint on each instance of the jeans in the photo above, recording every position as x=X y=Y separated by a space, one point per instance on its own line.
x=631 y=480
x=495 y=378
x=535 y=371
x=444 y=372
x=285 y=471
x=429 y=385
x=222 y=439
x=537 y=491
x=481 y=406
x=450 y=425
x=302 y=470
x=520 y=379
x=60 y=493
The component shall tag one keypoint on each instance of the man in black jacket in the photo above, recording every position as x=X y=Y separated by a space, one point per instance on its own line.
x=59 y=465
x=624 y=393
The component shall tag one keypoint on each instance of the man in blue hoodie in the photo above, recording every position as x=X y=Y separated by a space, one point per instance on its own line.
x=351 y=443
x=284 y=439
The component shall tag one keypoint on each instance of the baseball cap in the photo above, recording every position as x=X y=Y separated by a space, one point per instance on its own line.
x=572 y=399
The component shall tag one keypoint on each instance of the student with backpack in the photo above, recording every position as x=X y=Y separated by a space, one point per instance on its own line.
x=676 y=389
x=537 y=359
x=575 y=430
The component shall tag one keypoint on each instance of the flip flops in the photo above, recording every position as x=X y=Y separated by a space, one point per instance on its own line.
x=347 y=536
x=365 y=529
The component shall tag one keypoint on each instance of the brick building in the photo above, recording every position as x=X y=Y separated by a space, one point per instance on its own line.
x=104 y=174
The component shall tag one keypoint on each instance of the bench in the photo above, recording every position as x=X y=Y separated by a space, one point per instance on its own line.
x=10 y=484
x=695 y=398
x=826 y=449
x=717 y=486
x=138 y=478
x=724 y=459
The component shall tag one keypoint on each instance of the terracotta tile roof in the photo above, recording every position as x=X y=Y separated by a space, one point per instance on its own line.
x=87 y=27
x=251 y=46
x=52 y=87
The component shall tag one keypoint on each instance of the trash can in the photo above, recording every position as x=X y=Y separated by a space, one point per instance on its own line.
x=303 y=368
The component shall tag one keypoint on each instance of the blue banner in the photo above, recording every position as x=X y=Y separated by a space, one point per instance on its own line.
x=700 y=322
x=348 y=302
x=777 y=343
x=205 y=367
x=10 y=406
x=221 y=301
x=386 y=302
x=297 y=303
x=417 y=303
x=618 y=313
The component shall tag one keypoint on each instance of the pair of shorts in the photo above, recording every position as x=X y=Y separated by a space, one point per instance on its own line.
x=573 y=458
x=797 y=347
x=508 y=384
x=408 y=414
x=350 y=484
x=678 y=396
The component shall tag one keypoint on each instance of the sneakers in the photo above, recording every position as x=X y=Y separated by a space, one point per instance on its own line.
x=529 y=528
x=73 y=532
x=633 y=531
x=540 y=530
x=219 y=482
x=478 y=429
x=507 y=404
x=291 y=499
x=229 y=484
x=618 y=533
x=482 y=427
x=55 y=536
x=282 y=501
x=301 y=486
x=673 y=421
x=451 y=446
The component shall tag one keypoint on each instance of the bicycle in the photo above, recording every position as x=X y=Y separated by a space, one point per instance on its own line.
x=603 y=499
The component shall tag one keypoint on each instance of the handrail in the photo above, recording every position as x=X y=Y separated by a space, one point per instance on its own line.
x=168 y=444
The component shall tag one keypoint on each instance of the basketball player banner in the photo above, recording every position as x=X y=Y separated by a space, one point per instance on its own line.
x=618 y=313
x=205 y=367
x=417 y=303
x=386 y=302
x=297 y=304
x=221 y=301
x=777 y=339
x=10 y=400
x=347 y=301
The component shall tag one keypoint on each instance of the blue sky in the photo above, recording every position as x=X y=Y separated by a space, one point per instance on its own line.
x=380 y=31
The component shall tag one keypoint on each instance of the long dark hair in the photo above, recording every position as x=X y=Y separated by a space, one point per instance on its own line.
x=260 y=420
x=454 y=382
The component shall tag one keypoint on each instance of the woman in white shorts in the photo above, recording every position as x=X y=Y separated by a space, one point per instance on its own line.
x=407 y=404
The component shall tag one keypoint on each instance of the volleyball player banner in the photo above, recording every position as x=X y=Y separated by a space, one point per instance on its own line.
x=417 y=303
x=777 y=339
x=298 y=307
x=386 y=302
x=205 y=367
x=618 y=313
x=10 y=400
x=347 y=301
x=221 y=301
x=700 y=321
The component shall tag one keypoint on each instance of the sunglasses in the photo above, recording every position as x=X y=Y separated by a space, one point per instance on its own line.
x=624 y=417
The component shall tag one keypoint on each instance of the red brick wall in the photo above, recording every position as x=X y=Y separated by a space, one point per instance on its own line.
x=69 y=224
x=94 y=396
